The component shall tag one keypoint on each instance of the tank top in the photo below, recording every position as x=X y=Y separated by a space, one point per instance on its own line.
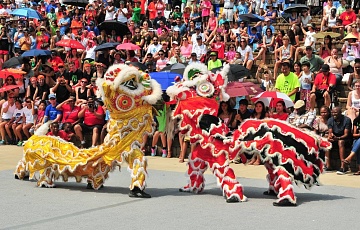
x=354 y=102
x=285 y=52
x=331 y=22
x=82 y=95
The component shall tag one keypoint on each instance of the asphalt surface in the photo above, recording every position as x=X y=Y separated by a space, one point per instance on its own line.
x=71 y=206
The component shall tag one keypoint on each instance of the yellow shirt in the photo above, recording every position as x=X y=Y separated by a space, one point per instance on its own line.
x=25 y=43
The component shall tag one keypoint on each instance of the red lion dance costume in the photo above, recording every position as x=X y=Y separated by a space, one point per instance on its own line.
x=289 y=154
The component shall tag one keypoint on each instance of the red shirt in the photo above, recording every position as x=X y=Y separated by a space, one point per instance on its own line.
x=55 y=61
x=220 y=48
x=90 y=119
x=282 y=117
x=70 y=115
x=62 y=134
x=323 y=82
x=348 y=17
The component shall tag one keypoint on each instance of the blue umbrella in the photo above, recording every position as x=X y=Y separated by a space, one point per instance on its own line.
x=27 y=13
x=108 y=45
x=36 y=52
x=251 y=17
x=165 y=79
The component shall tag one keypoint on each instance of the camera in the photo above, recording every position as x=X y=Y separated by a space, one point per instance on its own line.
x=91 y=105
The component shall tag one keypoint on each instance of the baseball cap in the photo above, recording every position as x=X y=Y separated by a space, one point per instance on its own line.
x=52 y=95
x=86 y=65
x=325 y=68
x=213 y=54
x=299 y=104
x=159 y=12
x=199 y=38
x=176 y=29
x=198 y=28
x=61 y=65
x=175 y=42
x=177 y=7
x=308 y=48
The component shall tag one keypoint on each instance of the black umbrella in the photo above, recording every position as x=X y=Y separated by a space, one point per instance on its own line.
x=81 y=3
x=236 y=72
x=175 y=68
x=13 y=62
x=109 y=45
x=110 y=25
x=296 y=7
x=138 y=65
x=251 y=17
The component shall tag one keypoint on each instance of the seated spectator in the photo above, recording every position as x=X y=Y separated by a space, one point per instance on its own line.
x=74 y=74
x=32 y=88
x=300 y=117
x=306 y=80
x=354 y=76
x=353 y=102
x=16 y=124
x=246 y=54
x=69 y=111
x=328 y=23
x=10 y=80
x=267 y=45
x=355 y=151
x=315 y=61
x=327 y=8
x=40 y=113
x=266 y=81
x=350 y=50
x=67 y=127
x=62 y=89
x=29 y=113
x=326 y=47
x=214 y=62
x=321 y=128
x=226 y=113
x=93 y=116
x=348 y=18
x=241 y=114
x=324 y=84
x=281 y=113
x=283 y=53
x=51 y=113
x=186 y=48
x=309 y=41
x=7 y=111
x=287 y=82
x=82 y=92
x=57 y=132
x=177 y=57
x=162 y=61
x=193 y=58
x=43 y=89
x=335 y=63
x=305 y=17
x=339 y=134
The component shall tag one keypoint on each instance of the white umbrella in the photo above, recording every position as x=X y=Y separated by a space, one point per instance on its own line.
x=270 y=98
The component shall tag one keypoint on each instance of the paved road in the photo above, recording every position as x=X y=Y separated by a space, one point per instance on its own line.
x=71 y=206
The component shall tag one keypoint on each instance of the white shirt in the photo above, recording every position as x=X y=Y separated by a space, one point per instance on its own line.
x=199 y=50
x=121 y=17
x=18 y=113
x=309 y=38
x=90 y=53
x=228 y=4
x=109 y=15
x=244 y=51
x=8 y=115
x=193 y=37
x=29 y=117
x=153 y=49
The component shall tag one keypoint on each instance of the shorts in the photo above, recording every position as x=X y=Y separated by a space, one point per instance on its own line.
x=205 y=19
x=319 y=93
x=229 y=14
x=5 y=120
x=87 y=129
x=4 y=52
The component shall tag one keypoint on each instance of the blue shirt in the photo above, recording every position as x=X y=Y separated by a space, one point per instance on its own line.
x=49 y=7
x=63 y=28
x=95 y=30
x=242 y=9
x=51 y=112
x=265 y=27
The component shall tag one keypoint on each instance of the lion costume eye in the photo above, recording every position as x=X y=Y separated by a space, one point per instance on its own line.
x=124 y=102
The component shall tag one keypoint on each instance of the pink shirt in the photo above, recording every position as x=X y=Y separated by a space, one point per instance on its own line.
x=160 y=64
x=206 y=6
x=230 y=55
x=186 y=51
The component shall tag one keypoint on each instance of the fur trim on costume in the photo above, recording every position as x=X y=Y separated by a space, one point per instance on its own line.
x=155 y=94
x=199 y=66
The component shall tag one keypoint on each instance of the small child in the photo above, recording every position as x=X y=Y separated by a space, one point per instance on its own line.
x=39 y=117
x=266 y=82
x=16 y=123
x=56 y=132
x=306 y=79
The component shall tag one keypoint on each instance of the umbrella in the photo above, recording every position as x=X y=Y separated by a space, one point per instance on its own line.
x=27 y=13
x=251 y=17
x=14 y=72
x=81 y=3
x=175 y=68
x=236 y=72
x=296 y=7
x=323 y=34
x=165 y=79
x=9 y=87
x=128 y=46
x=70 y=43
x=270 y=98
x=138 y=65
x=36 y=52
x=110 y=25
x=109 y=45
x=13 y=62
x=237 y=89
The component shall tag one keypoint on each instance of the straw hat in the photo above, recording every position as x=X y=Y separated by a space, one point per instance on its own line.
x=350 y=36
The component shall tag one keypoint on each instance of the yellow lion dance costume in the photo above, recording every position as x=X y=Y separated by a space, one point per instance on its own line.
x=128 y=95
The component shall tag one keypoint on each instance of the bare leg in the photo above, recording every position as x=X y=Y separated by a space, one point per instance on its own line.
x=95 y=136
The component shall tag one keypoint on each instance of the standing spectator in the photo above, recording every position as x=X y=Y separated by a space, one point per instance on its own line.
x=62 y=89
x=25 y=42
x=205 y=7
x=300 y=117
x=136 y=13
x=339 y=134
x=228 y=10
x=151 y=9
x=110 y=10
x=324 y=84
x=4 y=43
x=93 y=121
x=287 y=82
x=219 y=46
x=306 y=79
x=64 y=23
x=160 y=7
x=122 y=13
x=315 y=61
x=7 y=111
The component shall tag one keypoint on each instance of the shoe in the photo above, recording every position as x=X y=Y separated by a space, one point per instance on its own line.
x=232 y=199
x=270 y=193
x=164 y=153
x=153 y=151
x=2 y=142
x=284 y=203
x=341 y=171
x=137 y=193
x=19 y=143
x=326 y=169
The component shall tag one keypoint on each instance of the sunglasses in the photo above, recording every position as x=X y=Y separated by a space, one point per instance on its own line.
x=242 y=41
x=84 y=82
x=93 y=81
x=28 y=101
x=155 y=40
x=11 y=97
x=161 y=54
x=232 y=46
x=9 y=79
x=52 y=98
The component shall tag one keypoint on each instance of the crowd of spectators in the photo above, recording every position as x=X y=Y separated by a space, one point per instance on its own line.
x=62 y=87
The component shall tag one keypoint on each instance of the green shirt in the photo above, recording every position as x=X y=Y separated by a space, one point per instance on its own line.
x=315 y=62
x=214 y=64
x=136 y=15
x=286 y=84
